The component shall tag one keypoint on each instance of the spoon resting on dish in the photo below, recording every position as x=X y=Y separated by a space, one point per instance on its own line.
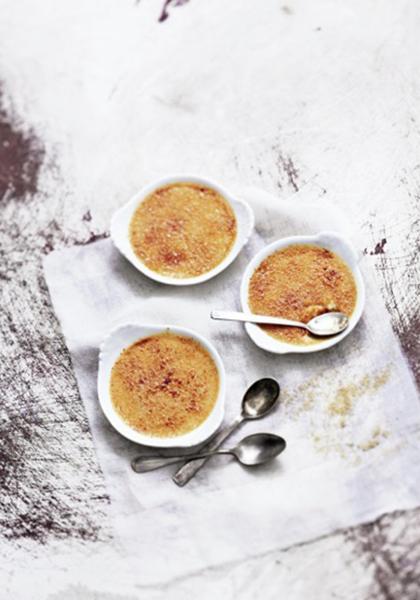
x=330 y=323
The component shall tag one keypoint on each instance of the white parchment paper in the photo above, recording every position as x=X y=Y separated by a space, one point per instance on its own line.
x=350 y=414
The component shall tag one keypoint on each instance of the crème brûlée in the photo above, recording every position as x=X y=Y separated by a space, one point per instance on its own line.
x=300 y=282
x=164 y=385
x=183 y=230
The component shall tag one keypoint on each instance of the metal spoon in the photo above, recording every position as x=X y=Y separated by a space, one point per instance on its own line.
x=259 y=400
x=329 y=323
x=253 y=450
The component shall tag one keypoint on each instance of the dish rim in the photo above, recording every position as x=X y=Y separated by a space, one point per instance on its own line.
x=331 y=240
x=109 y=354
x=121 y=219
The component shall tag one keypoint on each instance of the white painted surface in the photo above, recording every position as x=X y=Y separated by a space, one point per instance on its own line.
x=246 y=92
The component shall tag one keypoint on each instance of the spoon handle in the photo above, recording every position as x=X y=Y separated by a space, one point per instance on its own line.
x=192 y=466
x=231 y=315
x=142 y=464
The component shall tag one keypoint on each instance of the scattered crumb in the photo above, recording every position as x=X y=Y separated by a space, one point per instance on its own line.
x=287 y=10
x=334 y=412
x=372 y=443
x=342 y=405
x=305 y=392
x=344 y=400
x=377 y=435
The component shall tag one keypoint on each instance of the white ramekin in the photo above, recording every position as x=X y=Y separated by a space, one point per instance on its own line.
x=121 y=219
x=112 y=346
x=326 y=239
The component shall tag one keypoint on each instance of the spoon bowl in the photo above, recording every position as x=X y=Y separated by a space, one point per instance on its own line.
x=258 y=449
x=329 y=323
x=260 y=398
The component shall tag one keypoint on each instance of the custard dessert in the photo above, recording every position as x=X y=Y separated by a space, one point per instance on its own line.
x=164 y=385
x=183 y=230
x=300 y=282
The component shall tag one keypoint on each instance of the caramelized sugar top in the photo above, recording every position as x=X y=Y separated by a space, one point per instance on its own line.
x=183 y=230
x=300 y=282
x=164 y=385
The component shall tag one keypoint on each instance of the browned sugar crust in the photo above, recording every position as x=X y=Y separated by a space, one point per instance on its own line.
x=183 y=230
x=300 y=282
x=164 y=385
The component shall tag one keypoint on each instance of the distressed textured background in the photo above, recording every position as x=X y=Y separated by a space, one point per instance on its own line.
x=96 y=99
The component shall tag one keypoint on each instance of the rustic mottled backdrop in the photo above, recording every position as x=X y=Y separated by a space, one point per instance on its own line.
x=99 y=97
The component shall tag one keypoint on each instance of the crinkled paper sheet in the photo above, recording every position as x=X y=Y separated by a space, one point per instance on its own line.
x=350 y=414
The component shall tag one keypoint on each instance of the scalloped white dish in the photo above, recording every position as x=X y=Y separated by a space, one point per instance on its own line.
x=111 y=348
x=121 y=219
x=326 y=239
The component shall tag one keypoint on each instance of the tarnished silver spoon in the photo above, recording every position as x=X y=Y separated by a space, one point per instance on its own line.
x=329 y=323
x=253 y=450
x=259 y=399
